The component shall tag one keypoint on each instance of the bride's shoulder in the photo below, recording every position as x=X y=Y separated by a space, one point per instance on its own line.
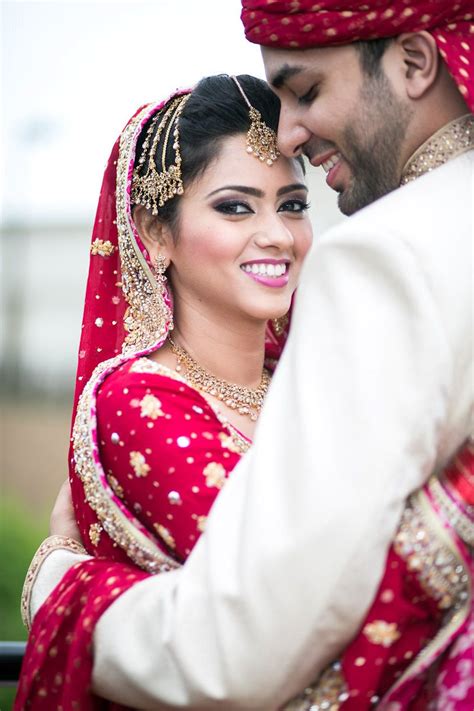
x=144 y=383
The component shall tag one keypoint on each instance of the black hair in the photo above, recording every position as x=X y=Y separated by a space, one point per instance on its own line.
x=215 y=110
x=370 y=54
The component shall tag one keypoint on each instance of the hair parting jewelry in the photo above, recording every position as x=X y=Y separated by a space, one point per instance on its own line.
x=261 y=140
x=247 y=401
x=155 y=188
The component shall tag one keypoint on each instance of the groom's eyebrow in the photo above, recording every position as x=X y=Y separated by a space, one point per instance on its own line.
x=283 y=74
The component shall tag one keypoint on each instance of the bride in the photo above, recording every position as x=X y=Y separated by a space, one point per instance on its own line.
x=199 y=238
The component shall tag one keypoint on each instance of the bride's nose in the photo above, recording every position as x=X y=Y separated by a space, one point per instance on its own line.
x=273 y=232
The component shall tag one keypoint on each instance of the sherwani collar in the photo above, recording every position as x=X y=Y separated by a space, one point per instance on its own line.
x=453 y=139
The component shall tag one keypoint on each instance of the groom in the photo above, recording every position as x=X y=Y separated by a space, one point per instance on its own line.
x=374 y=391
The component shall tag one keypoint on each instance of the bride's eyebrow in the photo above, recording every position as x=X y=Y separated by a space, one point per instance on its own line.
x=290 y=188
x=240 y=189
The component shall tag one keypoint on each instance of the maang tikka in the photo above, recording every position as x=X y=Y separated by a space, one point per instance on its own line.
x=154 y=188
x=261 y=139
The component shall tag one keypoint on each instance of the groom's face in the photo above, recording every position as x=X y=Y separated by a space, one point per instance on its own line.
x=352 y=124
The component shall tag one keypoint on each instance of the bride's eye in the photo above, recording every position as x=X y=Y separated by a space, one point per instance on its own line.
x=233 y=207
x=295 y=205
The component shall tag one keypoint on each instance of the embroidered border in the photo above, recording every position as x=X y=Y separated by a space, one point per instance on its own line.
x=329 y=692
x=50 y=544
x=449 y=582
x=450 y=141
x=146 y=332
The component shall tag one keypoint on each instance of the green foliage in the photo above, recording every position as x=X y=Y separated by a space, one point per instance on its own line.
x=20 y=535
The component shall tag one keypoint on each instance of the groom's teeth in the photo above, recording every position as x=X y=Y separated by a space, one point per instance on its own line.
x=331 y=162
x=267 y=270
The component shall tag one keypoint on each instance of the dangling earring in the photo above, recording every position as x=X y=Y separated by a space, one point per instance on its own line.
x=160 y=268
x=279 y=324
x=160 y=274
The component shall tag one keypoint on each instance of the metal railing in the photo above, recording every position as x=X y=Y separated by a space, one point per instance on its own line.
x=11 y=657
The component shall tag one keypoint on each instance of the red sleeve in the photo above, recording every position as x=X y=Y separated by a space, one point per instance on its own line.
x=164 y=450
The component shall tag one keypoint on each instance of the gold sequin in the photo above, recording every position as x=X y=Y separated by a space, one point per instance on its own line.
x=165 y=535
x=104 y=248
x=94 y=533
x=150 y=407
x=381 y=632
x=215 y=474
x=201 y=523
x=115 y=486
x=138 y=462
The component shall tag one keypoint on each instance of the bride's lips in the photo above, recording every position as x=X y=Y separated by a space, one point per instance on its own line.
x=270 y=272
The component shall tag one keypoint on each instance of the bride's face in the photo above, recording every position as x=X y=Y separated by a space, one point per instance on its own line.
x=243 y=231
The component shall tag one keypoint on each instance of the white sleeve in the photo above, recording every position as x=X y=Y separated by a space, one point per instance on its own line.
x=296 y=542
x=49 y=574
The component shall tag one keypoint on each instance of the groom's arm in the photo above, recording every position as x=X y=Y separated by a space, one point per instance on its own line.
x=296 y=542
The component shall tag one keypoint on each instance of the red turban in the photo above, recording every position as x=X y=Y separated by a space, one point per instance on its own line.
x=300 y=24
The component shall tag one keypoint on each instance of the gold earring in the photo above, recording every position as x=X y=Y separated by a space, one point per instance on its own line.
x=160 y=268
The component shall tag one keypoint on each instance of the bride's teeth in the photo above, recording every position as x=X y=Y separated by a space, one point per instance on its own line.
x=268 y=270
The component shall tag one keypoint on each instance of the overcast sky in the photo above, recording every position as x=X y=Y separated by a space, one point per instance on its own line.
x=74 y=72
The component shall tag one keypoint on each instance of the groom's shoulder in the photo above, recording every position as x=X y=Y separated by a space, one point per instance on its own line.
x=435 y=207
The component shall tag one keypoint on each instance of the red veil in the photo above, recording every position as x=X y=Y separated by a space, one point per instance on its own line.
x=127 y=313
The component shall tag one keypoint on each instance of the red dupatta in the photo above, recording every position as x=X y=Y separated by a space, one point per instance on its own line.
x=127 y=315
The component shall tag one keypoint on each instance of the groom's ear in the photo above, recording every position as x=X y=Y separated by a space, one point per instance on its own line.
x=420 y=56
x=153 y=232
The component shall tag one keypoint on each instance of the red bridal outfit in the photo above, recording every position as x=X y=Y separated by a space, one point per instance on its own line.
x=149 y=453
x=149 y=456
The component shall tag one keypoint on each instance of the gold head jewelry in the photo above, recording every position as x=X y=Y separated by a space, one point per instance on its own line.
x=247 y=401
x=154 y=188
x=261 y=139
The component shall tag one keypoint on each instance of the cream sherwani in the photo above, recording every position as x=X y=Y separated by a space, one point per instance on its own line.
x=374 y=392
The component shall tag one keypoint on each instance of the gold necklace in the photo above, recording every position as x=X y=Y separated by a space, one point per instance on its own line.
x=247 y=401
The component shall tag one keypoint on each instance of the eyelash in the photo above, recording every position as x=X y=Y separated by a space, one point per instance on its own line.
x=302 y=204
x=229 y=207
x=309 y=96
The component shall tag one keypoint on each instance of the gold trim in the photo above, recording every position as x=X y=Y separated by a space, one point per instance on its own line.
x=450 y=141
x=146 y=322
x=461 y=523
x=459 y=610
x=329 y=693
x=49 y=545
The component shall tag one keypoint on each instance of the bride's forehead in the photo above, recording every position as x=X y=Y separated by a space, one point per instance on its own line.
x=234 y=165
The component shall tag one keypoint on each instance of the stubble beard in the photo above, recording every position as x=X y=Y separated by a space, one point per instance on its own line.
x=374 y=157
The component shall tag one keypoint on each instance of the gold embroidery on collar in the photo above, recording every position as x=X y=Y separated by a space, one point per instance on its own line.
x=450 y=141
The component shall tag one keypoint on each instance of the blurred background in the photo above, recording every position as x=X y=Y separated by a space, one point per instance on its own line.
x=72 y=73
